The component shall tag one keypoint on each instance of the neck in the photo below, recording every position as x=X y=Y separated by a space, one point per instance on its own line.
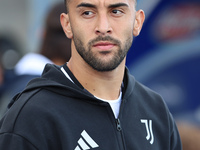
x=105 y=85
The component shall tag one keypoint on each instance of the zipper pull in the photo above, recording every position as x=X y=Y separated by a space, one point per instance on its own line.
x=118 y=125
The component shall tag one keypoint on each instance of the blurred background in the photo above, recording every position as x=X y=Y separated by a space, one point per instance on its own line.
x=164 y=57
x=21 y=26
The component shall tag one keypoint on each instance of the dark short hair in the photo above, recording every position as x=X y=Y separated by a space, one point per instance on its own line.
x=66 y=4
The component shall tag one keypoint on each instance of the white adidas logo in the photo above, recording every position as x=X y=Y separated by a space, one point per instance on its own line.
x=86 y=142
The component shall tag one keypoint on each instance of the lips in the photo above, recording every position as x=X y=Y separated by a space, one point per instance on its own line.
x=104 y=45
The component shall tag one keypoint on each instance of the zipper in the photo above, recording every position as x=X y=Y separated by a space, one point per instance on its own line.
x=119 y=128
x=120 y=135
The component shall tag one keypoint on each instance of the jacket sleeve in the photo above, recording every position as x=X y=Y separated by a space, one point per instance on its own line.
x=175 y=137
x=9 y=141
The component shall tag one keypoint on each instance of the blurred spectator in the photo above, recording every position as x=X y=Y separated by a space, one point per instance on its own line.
x=55 y=48
x=9 y=55
x=1 y=70
x=1 y=73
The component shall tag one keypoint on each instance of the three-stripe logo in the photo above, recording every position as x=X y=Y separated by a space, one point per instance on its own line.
x=86 y=142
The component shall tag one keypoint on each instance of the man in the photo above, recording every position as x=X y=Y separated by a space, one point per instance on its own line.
x=92 y=102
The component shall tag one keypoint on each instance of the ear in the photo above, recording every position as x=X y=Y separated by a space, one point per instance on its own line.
x=64 y=20
x=139 y=20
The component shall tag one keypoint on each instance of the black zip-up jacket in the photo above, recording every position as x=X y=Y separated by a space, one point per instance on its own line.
x=53 y=113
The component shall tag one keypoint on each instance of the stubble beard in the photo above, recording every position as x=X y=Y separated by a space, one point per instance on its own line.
x=97 y=63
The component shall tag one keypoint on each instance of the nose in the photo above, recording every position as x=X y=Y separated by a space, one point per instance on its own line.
x=103 y=26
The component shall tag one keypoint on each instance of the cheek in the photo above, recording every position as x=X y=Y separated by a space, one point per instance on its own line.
x=82 y=28
x=81 y=37
x=127 y=33
x=130 y=27
x=125 y=28
x=126 y=36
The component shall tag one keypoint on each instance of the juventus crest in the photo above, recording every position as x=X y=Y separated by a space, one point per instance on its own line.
x=148 y=125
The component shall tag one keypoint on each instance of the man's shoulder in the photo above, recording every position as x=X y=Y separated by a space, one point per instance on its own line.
x=15 y=108
x=144 y=95
x=139 y=89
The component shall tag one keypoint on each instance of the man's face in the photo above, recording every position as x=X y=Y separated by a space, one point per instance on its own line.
x=102 y=31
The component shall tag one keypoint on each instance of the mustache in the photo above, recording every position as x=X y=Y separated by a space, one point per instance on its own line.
x=104 y=38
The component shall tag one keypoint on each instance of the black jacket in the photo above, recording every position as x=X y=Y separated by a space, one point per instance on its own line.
x=55 y=114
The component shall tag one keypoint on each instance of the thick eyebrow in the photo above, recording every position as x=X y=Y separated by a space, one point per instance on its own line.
x=86 y=5
x=110 y=6
x=117 y=5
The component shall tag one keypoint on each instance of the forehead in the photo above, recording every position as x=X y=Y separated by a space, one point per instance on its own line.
x=97 y=3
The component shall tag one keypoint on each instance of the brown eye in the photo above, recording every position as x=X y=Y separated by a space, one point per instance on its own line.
x=87 y=13
x=117 y=12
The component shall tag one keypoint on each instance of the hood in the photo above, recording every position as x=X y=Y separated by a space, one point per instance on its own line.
x=54 y=80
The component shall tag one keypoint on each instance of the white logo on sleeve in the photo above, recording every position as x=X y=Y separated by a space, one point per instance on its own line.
x=148 y=125
x=86 y=142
